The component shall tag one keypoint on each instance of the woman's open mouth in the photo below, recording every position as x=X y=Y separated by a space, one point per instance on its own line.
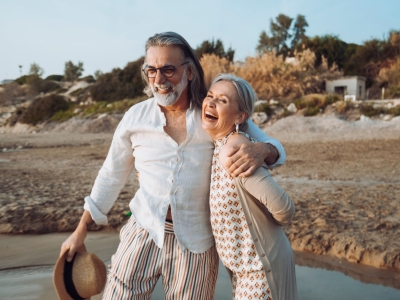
x=210 y=117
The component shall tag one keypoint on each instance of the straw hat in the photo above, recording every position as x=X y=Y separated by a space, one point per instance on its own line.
x=83 y=277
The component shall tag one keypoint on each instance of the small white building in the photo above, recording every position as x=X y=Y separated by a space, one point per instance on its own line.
x=351 y=86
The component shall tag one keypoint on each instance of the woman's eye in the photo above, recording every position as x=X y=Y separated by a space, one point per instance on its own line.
x=222 y=100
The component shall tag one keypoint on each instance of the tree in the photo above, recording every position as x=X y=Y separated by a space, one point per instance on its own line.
x=36 y=70
x=299 y=31
x=97 y=74
x=72 y=72
x=215 y=47
x=280 y=33
x=327 y=46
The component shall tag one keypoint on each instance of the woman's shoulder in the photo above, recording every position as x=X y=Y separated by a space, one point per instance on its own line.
x=234 y=142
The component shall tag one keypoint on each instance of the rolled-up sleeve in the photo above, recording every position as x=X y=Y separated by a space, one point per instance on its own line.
x=255 y=132
x=112 y=176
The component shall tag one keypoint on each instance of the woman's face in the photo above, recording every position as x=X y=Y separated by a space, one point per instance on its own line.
x=221 y=110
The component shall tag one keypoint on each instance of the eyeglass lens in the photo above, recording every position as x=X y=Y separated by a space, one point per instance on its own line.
x=167 y=71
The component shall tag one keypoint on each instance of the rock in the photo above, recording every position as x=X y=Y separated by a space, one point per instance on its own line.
x=273 y=102
x=292 y=108
x=364 y=118
x=387 y=117
x=260 y=102
x=259 y=117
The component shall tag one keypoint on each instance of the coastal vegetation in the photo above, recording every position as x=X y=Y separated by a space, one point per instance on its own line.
x=289 y=68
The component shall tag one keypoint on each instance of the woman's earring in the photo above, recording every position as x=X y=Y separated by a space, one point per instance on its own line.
x=237 y=127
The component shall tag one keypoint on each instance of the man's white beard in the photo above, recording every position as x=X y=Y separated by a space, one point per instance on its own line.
x=173 y=96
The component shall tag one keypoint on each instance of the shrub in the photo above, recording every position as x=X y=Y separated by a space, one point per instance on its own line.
x=314 y=103
x=344 y=106
x=263 y=107
x=115 y=107
x=88 y=79
x=311 y=111
x=370 y=111
x=395 y=111
x=119 y=84
x=23 y=79
x=37 y=85
x=43 y=108
x=272 y=77
x=332 y=98
x=16 y=116
x=55 y=77
x=62 y=115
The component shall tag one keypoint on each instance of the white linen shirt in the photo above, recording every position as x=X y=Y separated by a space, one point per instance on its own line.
x=170 y=174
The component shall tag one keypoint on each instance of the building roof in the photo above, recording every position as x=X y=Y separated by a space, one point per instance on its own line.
x=349 y=77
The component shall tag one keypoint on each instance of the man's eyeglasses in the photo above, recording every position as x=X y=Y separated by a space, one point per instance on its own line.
x=166 y=71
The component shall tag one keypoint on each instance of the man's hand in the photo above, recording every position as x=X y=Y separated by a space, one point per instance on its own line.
x=76 y=239
x=72 y=244
x=245 y=159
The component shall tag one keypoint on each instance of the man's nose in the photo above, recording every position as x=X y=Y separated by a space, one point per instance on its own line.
x=159 y=79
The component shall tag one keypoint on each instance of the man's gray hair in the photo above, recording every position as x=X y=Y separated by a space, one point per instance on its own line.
x=197 y=86
x=247 y=96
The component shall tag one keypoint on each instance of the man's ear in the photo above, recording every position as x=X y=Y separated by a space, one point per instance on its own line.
x=190 y=73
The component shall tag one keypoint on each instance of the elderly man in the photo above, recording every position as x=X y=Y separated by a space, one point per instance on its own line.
x=169 y=233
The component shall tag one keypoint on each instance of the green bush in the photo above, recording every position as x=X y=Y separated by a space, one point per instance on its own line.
x=43 y=108
x=23 y=79
x=88 y=79
x=311 y=111
x=370 y=111
x=115 y=107
x=119 y=84
x=314 y=103
x=332 y=98
x=395 y=111
x=62 y=115
x=55 y=77
x=263 y=107
x=38 y=85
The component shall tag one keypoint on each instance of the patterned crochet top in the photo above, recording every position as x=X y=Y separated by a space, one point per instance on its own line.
x=234 y=243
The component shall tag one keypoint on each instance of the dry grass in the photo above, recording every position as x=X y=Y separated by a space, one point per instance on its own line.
x=272 y=77
x=391 y=77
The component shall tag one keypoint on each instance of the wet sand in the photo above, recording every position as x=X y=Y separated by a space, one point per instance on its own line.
x=27 y=261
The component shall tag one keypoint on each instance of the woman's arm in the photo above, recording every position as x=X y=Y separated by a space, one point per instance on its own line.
x=262 y=186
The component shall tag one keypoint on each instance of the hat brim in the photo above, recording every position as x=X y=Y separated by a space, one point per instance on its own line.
x=58 y=275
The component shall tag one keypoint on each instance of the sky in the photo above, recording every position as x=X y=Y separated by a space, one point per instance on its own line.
x=107 y=34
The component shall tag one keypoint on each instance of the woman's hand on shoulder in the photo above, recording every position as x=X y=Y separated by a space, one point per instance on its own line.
x=239 y=156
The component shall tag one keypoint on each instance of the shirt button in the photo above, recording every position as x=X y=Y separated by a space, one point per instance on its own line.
x=262 y=255
x=250 y=224
x=256 y=240
x=269 y=270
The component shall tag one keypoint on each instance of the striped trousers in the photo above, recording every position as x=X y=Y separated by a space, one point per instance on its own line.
x=138 y=264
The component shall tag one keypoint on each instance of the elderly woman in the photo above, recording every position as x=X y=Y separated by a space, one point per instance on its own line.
x=247 y=214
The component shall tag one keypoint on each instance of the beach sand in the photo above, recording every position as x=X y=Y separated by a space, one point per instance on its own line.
x=343 y=177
